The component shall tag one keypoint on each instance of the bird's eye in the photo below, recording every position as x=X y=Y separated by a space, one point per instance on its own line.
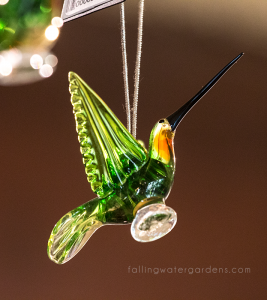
x=161 y=121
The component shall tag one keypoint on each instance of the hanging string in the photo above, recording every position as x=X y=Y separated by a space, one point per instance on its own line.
x=137 y=66
x=132 y=126
x=125 y=68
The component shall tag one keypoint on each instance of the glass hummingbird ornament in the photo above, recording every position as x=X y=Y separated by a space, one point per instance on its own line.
x=131 y=183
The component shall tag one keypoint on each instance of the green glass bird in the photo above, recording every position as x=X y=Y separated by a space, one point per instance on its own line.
x=131 y=183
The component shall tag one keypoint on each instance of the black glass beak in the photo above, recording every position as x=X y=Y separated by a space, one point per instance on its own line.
x=175 y=118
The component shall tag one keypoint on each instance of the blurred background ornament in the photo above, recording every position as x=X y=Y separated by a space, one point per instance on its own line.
x=28 y=30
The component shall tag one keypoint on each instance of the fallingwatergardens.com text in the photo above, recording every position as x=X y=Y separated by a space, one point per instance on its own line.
x=190 y=271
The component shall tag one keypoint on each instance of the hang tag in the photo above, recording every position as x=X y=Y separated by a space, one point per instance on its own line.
x=73 y=9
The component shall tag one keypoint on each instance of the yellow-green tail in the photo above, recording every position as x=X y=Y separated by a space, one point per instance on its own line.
x=72 y=232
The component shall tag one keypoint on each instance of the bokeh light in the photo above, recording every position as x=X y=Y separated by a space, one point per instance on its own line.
x=1 y=59
x=57 y=21
x=3 y=2
x=13 y=56
x=51 y=60
x=51 y=33
x=36 y=61
x=5 y=67
x=46 y=70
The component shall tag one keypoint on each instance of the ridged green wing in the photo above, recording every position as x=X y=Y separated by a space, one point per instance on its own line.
x=110 y=153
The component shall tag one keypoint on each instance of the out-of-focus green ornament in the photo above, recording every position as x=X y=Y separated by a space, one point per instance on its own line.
x=131 y=183
x=23 y=23
x=25 y=30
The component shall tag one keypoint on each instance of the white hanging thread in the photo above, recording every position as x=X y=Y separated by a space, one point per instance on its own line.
x=125 y=68
x=137 y=66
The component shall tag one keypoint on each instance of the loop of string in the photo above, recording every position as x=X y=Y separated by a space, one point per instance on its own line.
x=132 y=127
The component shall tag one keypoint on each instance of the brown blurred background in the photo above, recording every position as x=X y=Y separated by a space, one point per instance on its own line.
x=220 y=186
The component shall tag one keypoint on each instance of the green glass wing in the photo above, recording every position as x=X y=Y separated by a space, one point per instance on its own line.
x=110 y=153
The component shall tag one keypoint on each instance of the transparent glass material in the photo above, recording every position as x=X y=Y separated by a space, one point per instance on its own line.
x=124 y=175
x=153 y=222
x=131 y=183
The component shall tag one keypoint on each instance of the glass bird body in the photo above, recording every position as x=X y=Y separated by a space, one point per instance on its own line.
x=120 y=171
x=131 y=183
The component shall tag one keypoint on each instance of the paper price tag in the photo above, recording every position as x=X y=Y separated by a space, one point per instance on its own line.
x=73 y=9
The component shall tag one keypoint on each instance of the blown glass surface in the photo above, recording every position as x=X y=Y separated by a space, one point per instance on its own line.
x=121 y=172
